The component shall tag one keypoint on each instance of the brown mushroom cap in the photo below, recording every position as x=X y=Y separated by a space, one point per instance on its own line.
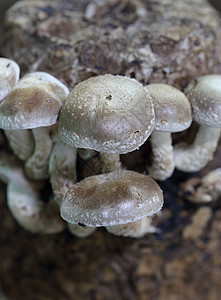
x=172 y=108
x=34 y=102
x=204 y=93
x=9 y=75
x=110 y=199
x=107 y=113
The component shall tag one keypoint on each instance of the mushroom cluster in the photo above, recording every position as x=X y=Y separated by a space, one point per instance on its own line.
x=49 y=130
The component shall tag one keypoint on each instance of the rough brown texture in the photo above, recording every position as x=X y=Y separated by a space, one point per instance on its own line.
x=154 y=41
x=167 y=41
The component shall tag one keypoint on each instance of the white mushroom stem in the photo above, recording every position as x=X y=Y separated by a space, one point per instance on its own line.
x=21 y=142
x=163 y=161
x=23 y=199
x=31 y=213
x=194 y=157
x=11 y=170
x=36 y=166
x=62 y=169
x=135 y=229
x=81 y=231
x=110 y=162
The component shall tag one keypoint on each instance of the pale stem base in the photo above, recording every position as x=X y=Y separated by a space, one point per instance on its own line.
x=32 y=213
x=36 y=166
x=163 y=161
x=21 y=142
x=194 y=157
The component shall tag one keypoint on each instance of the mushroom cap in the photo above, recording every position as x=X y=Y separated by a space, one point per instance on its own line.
x=204 y=94
x=110 y=199
x=172 y=108
x=107 y=113
x=34 y=102
x=9 y=75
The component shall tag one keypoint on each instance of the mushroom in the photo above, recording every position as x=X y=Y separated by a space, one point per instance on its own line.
x=107 y=113
x=34 y=103
x=204 y=94
x=114 y=198
x=135 y=229
x=62 y=170
x=31 y=212
x=108 y=163
x=23 y=199
x=9 y=75
x=172 y=114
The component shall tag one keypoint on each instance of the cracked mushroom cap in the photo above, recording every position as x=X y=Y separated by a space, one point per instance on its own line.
x=107 y=113
x=204 y=93
x=172 y=108
x=110 y=199
x=34 y=102
x=9 y=75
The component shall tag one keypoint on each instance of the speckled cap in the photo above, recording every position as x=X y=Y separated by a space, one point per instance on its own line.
x=9 y=75
x=107 y=113
x=204 y=93
x=172 y=108
x=110 y=199
x=34 y=102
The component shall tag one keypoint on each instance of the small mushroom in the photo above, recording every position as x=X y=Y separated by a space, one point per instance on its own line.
x=32 y=213
x=114 y=198
x=135 y=229
x=23 y=199
x=9 y=75
x=62 y=170
x=204 y=94
x=107 y=113
x=172 y=114
x=34 y=103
